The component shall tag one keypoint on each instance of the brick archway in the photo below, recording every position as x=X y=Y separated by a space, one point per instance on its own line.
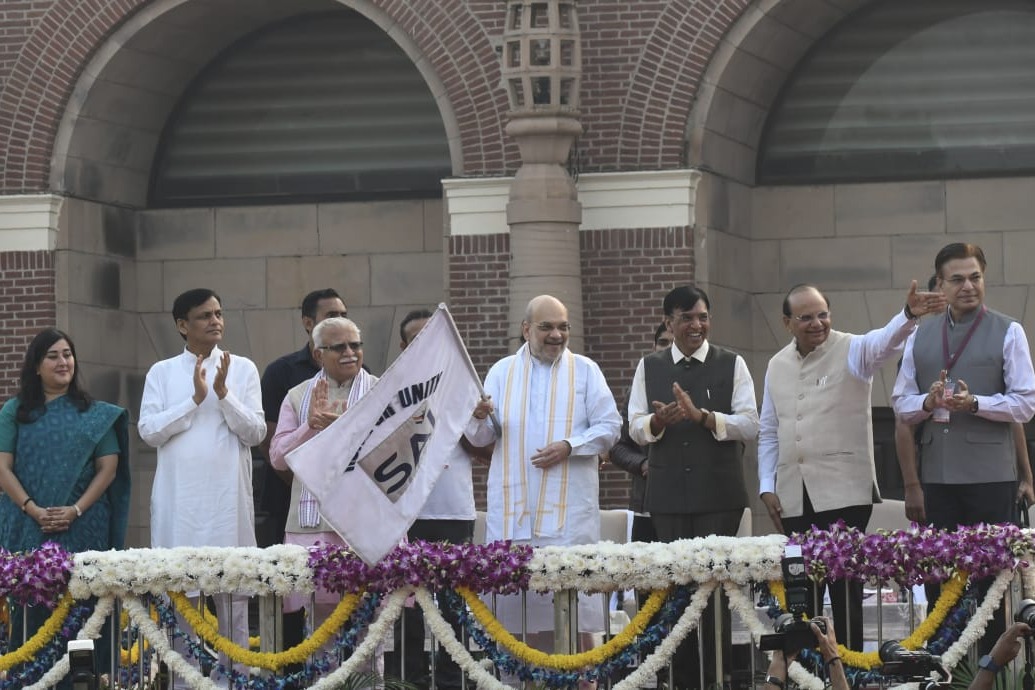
x=50 y=76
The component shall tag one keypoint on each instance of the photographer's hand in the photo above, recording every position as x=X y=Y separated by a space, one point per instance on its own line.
x=1003 y=652
x=827 y=643
x=776 y=676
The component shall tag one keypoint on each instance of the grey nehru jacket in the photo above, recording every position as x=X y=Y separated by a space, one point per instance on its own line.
x=968 y=449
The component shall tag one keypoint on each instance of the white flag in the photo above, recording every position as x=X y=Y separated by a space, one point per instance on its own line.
x=373 y=468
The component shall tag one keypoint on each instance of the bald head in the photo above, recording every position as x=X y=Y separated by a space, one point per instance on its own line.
x=546 y=328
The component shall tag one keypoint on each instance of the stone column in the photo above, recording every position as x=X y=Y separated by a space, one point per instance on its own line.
x=542 y=71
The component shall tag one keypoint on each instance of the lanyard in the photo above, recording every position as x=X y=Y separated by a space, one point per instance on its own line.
x=950 y=362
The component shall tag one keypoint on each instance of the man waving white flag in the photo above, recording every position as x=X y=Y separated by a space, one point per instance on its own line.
x=373 y=468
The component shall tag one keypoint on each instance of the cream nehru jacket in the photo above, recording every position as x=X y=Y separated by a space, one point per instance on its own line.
x=824 y=428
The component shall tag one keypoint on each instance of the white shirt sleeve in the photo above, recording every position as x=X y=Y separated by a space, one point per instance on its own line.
x=604 y=421
x=906 y=398
x=160 y=419
x=1017 y=404
x=742 y=424
x=640 y=410
x=243 y=410
x=768 y=442
x=867 y=353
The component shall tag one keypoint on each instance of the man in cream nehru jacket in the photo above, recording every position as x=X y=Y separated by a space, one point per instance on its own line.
x=815 y=445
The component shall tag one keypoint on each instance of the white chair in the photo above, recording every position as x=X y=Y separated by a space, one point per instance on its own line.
x=616 y=525
x=889 y=515
x=746 y=526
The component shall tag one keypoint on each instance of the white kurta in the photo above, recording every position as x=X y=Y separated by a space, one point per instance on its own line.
x=202 y=492
x=595 y=428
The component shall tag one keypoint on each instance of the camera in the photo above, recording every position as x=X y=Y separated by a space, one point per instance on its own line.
x=1026 y=613
x=81 y=667
x=916 y=665
x=791 y=635
x=792 y=632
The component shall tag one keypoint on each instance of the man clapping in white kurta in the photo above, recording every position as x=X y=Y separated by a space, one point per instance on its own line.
x=202 y=410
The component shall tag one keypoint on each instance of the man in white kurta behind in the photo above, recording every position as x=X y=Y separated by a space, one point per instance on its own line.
x=202 y=410
x=556 y=415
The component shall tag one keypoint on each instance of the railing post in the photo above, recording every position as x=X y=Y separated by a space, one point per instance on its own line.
x=565 y=625
x=271 y=623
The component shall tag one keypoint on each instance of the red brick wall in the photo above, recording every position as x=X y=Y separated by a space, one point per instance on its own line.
x=642 y=63
x=625 y=276
x=26 y=306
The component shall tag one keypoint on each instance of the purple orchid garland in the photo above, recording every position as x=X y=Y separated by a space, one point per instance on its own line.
x=914 y=556
x=37 y=577
x=919 y=554
x=500 y=567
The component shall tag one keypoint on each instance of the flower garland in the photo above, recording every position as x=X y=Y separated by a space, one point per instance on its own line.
x=49 y=655
x=278 y=570
x=564 y=662
x=605 y=567
x=140 y=616
x=499 y=567
x=950 y=594
x=915 y=555
x=91 y=630
x=377 y=632
x=647 y=669
x=272 y=661
x=976 y=627
x=508 y=662
x=35 y=578
x=28 y=651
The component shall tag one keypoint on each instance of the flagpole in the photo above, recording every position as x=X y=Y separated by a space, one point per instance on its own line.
x=470 y=365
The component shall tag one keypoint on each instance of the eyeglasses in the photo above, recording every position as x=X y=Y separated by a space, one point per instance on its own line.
x=340 y=348
x=687 y=317
x=807 y=318
x=547 y=327
x=960 y=281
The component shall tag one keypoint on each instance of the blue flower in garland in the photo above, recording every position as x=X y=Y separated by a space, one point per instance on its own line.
x=657 y=631
x=321 y=664
x=29 y=673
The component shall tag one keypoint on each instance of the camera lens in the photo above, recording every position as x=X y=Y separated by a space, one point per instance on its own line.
x=1026 y=613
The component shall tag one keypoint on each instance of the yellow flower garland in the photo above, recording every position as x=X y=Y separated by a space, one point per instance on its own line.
x=563 y=662
x=951 y=592
x=27 y=652
x=272 y=661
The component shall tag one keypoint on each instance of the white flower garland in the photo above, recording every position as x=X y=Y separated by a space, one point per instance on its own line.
x=377 y=632
x=607 y=566
x=662 y=654
x=744 y=608
x=91 y=630
x=485 y=680
x=174 y=661
x=183 y=668
x=979 y=621
x=280 y=569
x=446 y=636
x=1028 y=580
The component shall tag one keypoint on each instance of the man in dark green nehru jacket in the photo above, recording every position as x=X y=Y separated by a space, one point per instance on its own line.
x=695 y=477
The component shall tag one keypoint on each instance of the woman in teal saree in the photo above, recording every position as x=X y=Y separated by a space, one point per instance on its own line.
x=64 y=466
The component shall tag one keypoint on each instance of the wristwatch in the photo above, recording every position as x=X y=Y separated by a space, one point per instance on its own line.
x=988 y=663
x=704 y=417
x=974 y=405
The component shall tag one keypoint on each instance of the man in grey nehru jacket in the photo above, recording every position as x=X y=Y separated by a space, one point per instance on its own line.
x=966 y=376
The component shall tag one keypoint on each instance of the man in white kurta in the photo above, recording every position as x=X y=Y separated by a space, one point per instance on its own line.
x=202 y=410
x=557 y=415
